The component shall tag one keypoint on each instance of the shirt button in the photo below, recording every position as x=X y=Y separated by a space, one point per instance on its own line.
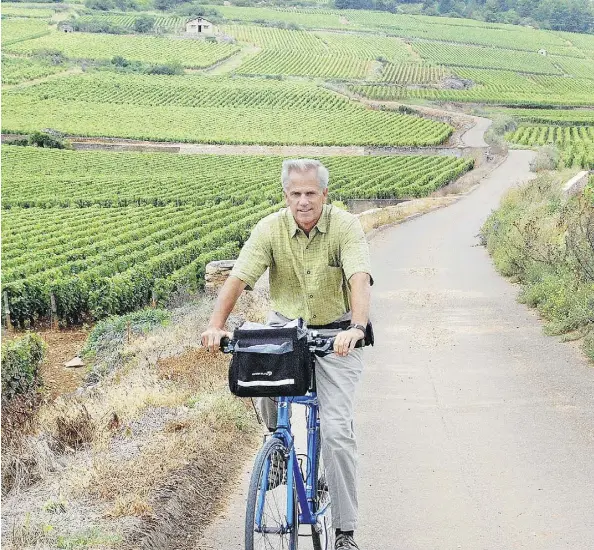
x=308 y=272
x=311 y=295
x=314 y=316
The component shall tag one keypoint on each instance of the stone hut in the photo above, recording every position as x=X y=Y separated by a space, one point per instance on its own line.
x=66 y=27
x=542 y=52
x=200 y=26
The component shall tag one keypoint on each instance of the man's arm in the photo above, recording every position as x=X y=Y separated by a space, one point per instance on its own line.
x=360 y=284
x=225 y=303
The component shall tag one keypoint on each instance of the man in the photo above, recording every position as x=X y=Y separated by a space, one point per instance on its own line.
x=320 y=271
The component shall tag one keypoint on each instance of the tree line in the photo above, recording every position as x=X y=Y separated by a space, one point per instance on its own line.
x=562 y=15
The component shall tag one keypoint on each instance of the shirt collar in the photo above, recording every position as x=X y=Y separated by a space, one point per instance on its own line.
x=322 y=225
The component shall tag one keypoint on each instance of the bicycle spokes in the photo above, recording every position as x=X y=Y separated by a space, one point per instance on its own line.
x=274 y=520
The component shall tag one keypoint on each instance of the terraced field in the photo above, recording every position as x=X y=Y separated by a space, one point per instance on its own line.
x=162 y=23
x=19 y=69
x=18 y=30
x=320 y=54
x=210 y=111
x=149 y=49
x=575 y=142
x=107 y=232
x=490 y=87
x=110 y=232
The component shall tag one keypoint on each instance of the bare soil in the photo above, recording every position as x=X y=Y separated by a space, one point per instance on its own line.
x=63 y=345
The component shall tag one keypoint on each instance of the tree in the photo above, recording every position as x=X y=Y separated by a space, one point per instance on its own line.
x=164 y=5
x=144 y=24
x=103 y=5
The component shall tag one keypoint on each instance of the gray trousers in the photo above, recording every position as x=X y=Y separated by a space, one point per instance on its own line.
x=336 y=381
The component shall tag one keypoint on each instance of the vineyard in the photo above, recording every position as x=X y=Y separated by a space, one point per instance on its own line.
x=411 y=73
x=102 y=233
x=19 y=69
x=227 y=111
x=148 y=49
x=330 y=55
x=162 y=23
x=488 y=86
x=109 y=232
x=559 y=117
x=18 y=30
x=482 y=57
x=14 y=10
x=575 y=142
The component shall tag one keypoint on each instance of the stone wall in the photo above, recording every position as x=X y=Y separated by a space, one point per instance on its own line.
x=576 y=184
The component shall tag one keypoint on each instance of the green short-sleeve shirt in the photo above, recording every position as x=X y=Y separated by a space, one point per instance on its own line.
x=308 y=275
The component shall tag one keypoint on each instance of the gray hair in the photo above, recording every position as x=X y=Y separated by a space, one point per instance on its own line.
x=304 y=165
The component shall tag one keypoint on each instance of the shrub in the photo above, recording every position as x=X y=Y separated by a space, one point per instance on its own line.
x=547 y=158
x=115 y=328
x=42 y=139
x=102 y=5
x=166 y=68
x=20 y=365
x=547 y=245
x=144 y=24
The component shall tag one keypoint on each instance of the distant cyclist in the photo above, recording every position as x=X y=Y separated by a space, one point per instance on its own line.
x=319 y=265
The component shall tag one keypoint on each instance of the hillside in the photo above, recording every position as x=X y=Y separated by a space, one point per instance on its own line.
x=134 y=153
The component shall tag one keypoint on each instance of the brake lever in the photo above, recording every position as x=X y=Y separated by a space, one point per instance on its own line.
x=227 y=345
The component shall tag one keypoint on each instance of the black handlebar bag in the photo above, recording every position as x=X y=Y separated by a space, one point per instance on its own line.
x=271 y=362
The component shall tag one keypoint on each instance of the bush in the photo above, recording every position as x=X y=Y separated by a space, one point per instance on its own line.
x=144 y=24
x=167 y=68
x=42 y=139
x=547 y=244
x=99 y=26
x=20 y=365
x=547 y=158
x=102 y=5
x=115 y=328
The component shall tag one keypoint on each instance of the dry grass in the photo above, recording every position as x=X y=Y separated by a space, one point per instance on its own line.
x=138 y=451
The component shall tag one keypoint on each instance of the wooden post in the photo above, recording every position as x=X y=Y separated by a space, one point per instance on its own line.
x=154 y=299
x=128 y=331
x=7 y=311
x=54 y=315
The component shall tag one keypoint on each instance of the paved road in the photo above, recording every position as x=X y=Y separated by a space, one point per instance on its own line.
x=475 y=137
x=476 y=431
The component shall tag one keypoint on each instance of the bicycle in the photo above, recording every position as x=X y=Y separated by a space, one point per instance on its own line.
x=282 y=495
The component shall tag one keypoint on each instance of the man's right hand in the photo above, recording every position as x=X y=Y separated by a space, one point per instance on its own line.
x=211 y=338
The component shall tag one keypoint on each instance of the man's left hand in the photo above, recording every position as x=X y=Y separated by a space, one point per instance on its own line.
x=345 y=341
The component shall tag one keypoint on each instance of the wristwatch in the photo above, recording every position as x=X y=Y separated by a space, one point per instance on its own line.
x=355 y=325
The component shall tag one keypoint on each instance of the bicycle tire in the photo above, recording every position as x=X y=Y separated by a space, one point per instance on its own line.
x=275 y=502
x=322 y=539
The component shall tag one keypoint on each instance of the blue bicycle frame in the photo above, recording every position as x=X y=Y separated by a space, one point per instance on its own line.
x=305 y=489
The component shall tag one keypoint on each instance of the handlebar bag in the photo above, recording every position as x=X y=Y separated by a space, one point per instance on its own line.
x=270 y=362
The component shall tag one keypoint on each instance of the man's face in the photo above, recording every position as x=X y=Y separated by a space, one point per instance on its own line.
x=305 y=199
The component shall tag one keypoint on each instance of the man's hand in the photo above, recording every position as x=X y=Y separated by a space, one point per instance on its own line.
x=211 y=338
x=345 y=341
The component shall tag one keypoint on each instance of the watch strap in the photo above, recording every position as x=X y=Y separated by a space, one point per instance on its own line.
x=356 y=325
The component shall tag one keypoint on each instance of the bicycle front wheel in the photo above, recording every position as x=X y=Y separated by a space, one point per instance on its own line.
x=322 y=533
x=268 y=522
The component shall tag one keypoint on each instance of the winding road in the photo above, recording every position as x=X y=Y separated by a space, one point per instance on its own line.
x=476 y=431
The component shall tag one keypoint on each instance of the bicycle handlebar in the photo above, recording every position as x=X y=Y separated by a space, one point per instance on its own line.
x=319 y=345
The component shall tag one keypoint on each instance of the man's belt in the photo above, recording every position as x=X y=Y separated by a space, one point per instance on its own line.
x=342 y=325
